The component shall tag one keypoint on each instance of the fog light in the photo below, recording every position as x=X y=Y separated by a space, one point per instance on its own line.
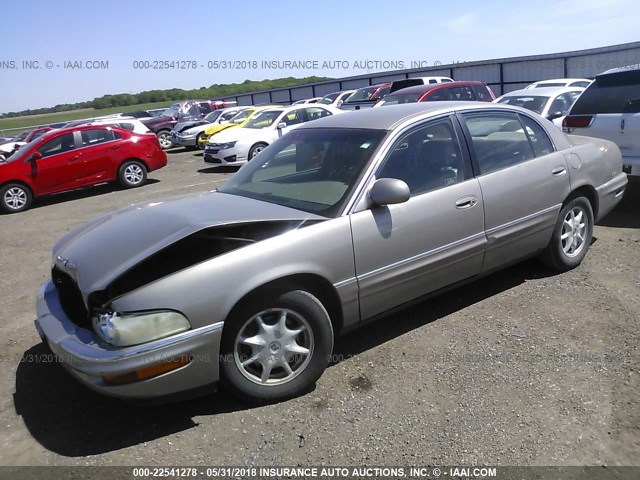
x=147 y=372
x=230 y=158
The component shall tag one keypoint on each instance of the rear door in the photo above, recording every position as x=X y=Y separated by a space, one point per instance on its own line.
x=99 y=148
x=436 y=238
x=523 y=180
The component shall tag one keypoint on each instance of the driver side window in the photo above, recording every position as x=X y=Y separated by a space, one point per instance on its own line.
x=426 y=158
x=60 y=144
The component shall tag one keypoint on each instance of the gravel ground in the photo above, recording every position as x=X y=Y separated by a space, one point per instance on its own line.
x=524 y=367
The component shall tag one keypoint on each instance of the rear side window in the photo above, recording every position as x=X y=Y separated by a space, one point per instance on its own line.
x=605 y=99
x=438 y=95
x=498 y=139
x=94 y=137
x=539 y=139
x=481 y=93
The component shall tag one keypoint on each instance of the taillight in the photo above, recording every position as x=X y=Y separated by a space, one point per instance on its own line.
x=577 y=121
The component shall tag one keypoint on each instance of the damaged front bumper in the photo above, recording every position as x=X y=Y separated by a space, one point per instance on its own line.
x=116 y=371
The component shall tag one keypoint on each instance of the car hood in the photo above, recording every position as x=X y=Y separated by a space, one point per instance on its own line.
x=100 y=251
x=235 y=134
x=180 y=126
x=157 y=120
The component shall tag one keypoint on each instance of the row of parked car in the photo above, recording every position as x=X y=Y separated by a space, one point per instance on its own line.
x=87 y=152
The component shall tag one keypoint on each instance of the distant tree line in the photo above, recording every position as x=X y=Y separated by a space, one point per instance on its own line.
x=173 y=94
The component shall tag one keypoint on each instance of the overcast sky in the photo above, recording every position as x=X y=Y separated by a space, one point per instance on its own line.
x=123 y=32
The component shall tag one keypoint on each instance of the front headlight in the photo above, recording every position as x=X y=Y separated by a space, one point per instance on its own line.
x=123 y=329
x=224 y=146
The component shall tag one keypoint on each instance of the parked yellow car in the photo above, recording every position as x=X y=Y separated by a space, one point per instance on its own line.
x=238 y=121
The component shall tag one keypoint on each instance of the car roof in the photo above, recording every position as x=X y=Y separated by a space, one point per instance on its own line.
x=390 y=117
x=557 y=80
x=621 y=69
x=431 y=86
x=543 y=91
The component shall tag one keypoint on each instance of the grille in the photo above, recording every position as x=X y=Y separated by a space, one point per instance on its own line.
x=70 y=298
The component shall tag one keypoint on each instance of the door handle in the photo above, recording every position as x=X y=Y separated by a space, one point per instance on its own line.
x=74 y=158
x=115 y=147
x=466 y=202
x=622 y=124
x=559 y=171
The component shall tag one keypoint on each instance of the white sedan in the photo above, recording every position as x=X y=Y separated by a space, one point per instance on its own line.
x=236 y=146
x=560 y=82
x=553 y=103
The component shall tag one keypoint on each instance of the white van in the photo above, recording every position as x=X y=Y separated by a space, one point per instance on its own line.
x=610 y=108
x=411 y=82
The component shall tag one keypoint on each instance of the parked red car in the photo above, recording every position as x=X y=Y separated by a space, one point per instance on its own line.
x=77 y=157
x=440 y=91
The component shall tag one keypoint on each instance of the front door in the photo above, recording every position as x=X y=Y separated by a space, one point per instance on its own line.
x=436 y=238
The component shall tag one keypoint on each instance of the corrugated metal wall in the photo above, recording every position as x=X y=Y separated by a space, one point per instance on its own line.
x=502 y=75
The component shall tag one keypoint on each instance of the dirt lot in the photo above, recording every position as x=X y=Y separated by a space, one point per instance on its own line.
x=522 y=368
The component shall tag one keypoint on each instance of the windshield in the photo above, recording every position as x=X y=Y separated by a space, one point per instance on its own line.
x=329 y=99
x=551 y=84
x=401 y=98
x=311 y=169
x=263 y=119
x=362 y=94
x=212 y=117
x=241 y=117
x=172 y=111
x=530 y=102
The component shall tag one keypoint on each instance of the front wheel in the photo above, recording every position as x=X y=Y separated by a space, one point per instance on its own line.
x=199 y=142
x=132 y=174
x=571 y=236
x=256 y=149
x=274 y=348
x=15 y=198
x=164 y=137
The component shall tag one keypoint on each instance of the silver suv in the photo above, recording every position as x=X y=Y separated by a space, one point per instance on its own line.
x=610 y=108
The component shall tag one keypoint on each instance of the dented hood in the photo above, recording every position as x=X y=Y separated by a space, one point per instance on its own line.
x=98 y=252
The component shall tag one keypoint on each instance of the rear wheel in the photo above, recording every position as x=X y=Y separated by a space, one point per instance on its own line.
x=15 y=197
x=256 y=149
x=571 y=236
x=276 y=347
x=164 y=137
x=132 y=173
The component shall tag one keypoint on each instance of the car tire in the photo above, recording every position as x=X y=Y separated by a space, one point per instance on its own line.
x=200 y=135
x=132 y=173
x=15 y=197
x=275 y=347
x=164 y=137
x=255 y=150
x=571 y=235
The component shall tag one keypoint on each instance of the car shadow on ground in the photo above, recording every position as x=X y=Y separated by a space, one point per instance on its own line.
x=627 y=213
x=71 y=420
x=82 y=193
x=223 y=169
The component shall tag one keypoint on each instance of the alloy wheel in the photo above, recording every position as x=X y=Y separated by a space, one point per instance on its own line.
x=274 y=347
x=574 y=231
x=15 y=198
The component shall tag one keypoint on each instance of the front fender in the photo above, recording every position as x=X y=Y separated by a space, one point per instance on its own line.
x=207 y=292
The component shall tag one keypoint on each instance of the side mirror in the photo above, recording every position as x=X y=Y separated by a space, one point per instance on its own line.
x=554 y=115
x=36 y=156
x=388 y=191
x=281 y=125
x=340 y=102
